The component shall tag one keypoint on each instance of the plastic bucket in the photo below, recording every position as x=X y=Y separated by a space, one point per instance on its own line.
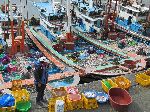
x=120 y=99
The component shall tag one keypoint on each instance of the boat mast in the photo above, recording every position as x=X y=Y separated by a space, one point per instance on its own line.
x=68 y=34
x=5 y=20
x=12 y=26
x=114 y=15
x=20 y=40
x=107 y=15
x=22 y=27
x=148 y=17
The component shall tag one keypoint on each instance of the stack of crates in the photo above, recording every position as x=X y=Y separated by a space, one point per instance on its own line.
x=89 y=103
x=52 y=102
x=142 y=79
x=21 y=95
x=72 y=105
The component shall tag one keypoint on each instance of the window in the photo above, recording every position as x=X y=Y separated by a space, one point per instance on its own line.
x=123 y=9
x=143 y=13
x=129 y=11
x=49 y=18
x=87 y=20
x=98 y=23
x=43 y=16
x=134 y=13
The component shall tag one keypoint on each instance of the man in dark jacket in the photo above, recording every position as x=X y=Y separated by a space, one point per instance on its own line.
x=41 y=78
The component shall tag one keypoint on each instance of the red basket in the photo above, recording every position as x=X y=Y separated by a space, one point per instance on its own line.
x=120 y=99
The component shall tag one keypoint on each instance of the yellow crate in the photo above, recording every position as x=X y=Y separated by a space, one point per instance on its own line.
x=89 y=103
x=122 y=82
x=71 y=105
x=59 y=92
x=112 y=84
x=52 y=101
x=8 y=109
x=142 y=79
x=16 y=85
x=21 y=95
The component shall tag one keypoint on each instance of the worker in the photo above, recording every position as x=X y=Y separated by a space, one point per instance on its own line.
x=147 y=63
x=28 y=74
x=41 y=79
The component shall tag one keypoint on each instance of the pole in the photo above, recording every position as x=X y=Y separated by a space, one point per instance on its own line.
x=12 y=24
x=115 y=10
x=68 y=34
x=5 y=21
x=23 y=32
x=8 y=18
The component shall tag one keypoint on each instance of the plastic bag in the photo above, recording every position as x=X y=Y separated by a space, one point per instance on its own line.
x=7 y=100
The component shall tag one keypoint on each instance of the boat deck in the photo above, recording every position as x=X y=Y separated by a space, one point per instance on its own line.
x=140 y=96
x=50 y=57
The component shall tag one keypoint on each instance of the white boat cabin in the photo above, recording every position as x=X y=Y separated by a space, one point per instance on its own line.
x=92 y=16
x=137 y=12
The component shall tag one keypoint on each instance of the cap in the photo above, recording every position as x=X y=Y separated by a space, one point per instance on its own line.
x=43 y=59
x=29 y=67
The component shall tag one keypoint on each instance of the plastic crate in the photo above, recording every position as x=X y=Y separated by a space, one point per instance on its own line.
x=52 y=102
x=59 y=92
x=71 y=105
x=122 y=82
x=21 y=95
x=16 y=85
x=89 y=103
x=8 y=109
x=142 y=79
x=107 y=84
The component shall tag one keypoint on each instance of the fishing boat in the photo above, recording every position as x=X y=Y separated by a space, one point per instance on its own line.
x=97 y=23
x=88 y=16
x=75 y=51
x=52 y=15
x=132 y=16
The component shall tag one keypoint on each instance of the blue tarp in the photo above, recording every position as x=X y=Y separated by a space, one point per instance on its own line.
x=136 y=27
x=7 y=100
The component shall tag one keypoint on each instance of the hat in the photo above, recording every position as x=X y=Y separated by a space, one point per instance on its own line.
x=43 y=59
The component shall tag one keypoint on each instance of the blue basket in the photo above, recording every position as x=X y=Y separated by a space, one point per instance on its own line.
x=90 y=94
x=102 y=97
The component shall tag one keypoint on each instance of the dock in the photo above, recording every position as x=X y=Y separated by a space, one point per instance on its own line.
x=140 y=96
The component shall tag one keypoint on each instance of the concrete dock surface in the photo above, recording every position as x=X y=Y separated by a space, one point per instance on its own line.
x=140 y=96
